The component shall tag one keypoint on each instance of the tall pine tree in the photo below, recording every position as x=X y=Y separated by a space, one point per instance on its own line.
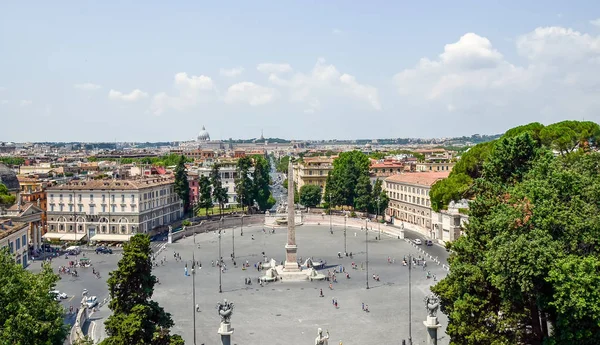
x=182 y=186
x=136 y=318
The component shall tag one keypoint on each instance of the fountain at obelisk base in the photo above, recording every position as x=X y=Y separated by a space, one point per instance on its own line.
x=291 y=269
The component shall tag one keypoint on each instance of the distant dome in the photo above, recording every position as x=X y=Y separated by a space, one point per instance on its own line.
x=203 y=135
x=9 y=178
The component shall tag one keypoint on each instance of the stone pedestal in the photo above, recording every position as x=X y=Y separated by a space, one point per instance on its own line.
x=432 y=326
x=170 y=238
x=402 y=234
x=225 y=331
x=291 y=258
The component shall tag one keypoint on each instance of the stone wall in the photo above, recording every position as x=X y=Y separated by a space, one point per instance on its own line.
x=338 y=221
x=80 y=320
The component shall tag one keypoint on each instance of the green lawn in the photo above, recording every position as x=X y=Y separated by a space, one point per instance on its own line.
x=215 y=211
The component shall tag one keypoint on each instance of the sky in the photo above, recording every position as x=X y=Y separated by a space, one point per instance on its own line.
x=160 y=70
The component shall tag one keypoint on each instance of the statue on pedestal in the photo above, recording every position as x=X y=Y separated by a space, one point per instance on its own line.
x=432 y=303
x=225 y=310
x=321 y=339
x=170 y=230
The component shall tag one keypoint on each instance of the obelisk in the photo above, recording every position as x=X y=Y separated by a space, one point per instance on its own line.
x=291 y=261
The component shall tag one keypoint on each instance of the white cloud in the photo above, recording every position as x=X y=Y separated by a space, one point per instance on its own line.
x=4 y=101
x=274 y=68
x=325 y=81
x=251 y=93
x=472 y=80
x=337 y=32
x=25 y=102
x=88 y=86
x=133 y=96
x=231 y=72
x=369 y=93
x=595 y=22
x=190 y=91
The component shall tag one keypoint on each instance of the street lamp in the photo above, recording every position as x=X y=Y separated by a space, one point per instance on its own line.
x=220 y=281
x=194 y=291
x=377 y=218
x=330 y=228
x=345 y=247
x=367 y=249
x=409 y=301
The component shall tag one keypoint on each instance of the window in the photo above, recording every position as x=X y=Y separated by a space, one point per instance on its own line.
x=70 y=198
x=51 y=196
x=79 y=197
x=91 y=197
x=91 y=209
x=80 y=228
x=11 y=245
x=60 y=196
x=51 y=227
x=18 y=244
x=132 y=198
x=122 y=208
x=61 y=227
x=61 y=206
x=114 y=208
x=103 y=208
x=80 y=208
x=112 y=198
x=103 y=198
x=122 y=198
x=52 y=207
x=70 y=227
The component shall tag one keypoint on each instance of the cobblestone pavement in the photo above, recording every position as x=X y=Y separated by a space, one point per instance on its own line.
x=281 y=312
x=290 y=312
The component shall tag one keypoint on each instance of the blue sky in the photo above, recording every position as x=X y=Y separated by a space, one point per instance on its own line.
x=156 y=70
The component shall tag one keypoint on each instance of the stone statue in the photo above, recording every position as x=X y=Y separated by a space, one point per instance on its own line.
x=321 y=339
x=432 y=303
x=225 y=310
x=170 y=230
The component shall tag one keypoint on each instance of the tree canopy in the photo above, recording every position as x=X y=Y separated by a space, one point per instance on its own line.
x=526 y=271
x=219 y=193
x=5 y=197
x=136 y=319
x=562 y=137
x=343 y=180
x=182 y=185
x=310 y=195
x=205 y=199
x=29 y=314
x=261 y=180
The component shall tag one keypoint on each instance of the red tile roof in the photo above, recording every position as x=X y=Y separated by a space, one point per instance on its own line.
x=419 y=178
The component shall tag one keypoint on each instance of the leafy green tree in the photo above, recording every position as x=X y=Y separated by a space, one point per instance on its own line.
x=526 y=271
x=310 y=195
x=363 y=200
x=260 y=183
x=5 y=197
x=282 y=164
x=244 y=186
x=182 y=185
x=29 y=314
x=384 y=200
x=136 y=319
x=206 y=197
x=219 y=193
x=342 y=180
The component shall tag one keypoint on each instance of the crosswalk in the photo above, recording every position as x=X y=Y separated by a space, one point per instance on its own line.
x=156 y=245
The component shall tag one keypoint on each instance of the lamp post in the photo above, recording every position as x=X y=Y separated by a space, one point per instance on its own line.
x=220 y=281
x=409 y=301
x=345 y=247
x=377 y=218
x=194 y=290
x=330 y=227
x=367 y=249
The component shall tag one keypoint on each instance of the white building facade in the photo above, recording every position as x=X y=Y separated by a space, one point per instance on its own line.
x=228 y=172
x=409 y=199
x=111 y=210
x=13 y=236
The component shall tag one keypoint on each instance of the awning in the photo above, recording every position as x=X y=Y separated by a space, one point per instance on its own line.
x=72 y=237
x=111 y=238
x=53 y=235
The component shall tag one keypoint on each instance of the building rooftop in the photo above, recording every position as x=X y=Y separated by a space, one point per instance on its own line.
x=132 y=184
x=8 y=227
x=419 y=178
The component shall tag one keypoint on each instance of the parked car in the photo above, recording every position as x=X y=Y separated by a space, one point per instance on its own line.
x=91 y=301
x=417 y=241
x=429 y=242
x=58 y=295
x=103 y=250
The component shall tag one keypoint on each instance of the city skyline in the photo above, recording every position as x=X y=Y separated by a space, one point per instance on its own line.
x=120 y=72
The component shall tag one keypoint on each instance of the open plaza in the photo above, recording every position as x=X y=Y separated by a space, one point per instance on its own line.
x=282 y=312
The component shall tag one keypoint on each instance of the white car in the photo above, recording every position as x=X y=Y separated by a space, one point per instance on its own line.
x=91 y=301
x=58 y=295
x=417 y=241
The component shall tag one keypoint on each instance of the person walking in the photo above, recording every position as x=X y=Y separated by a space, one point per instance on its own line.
x=363 y=306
